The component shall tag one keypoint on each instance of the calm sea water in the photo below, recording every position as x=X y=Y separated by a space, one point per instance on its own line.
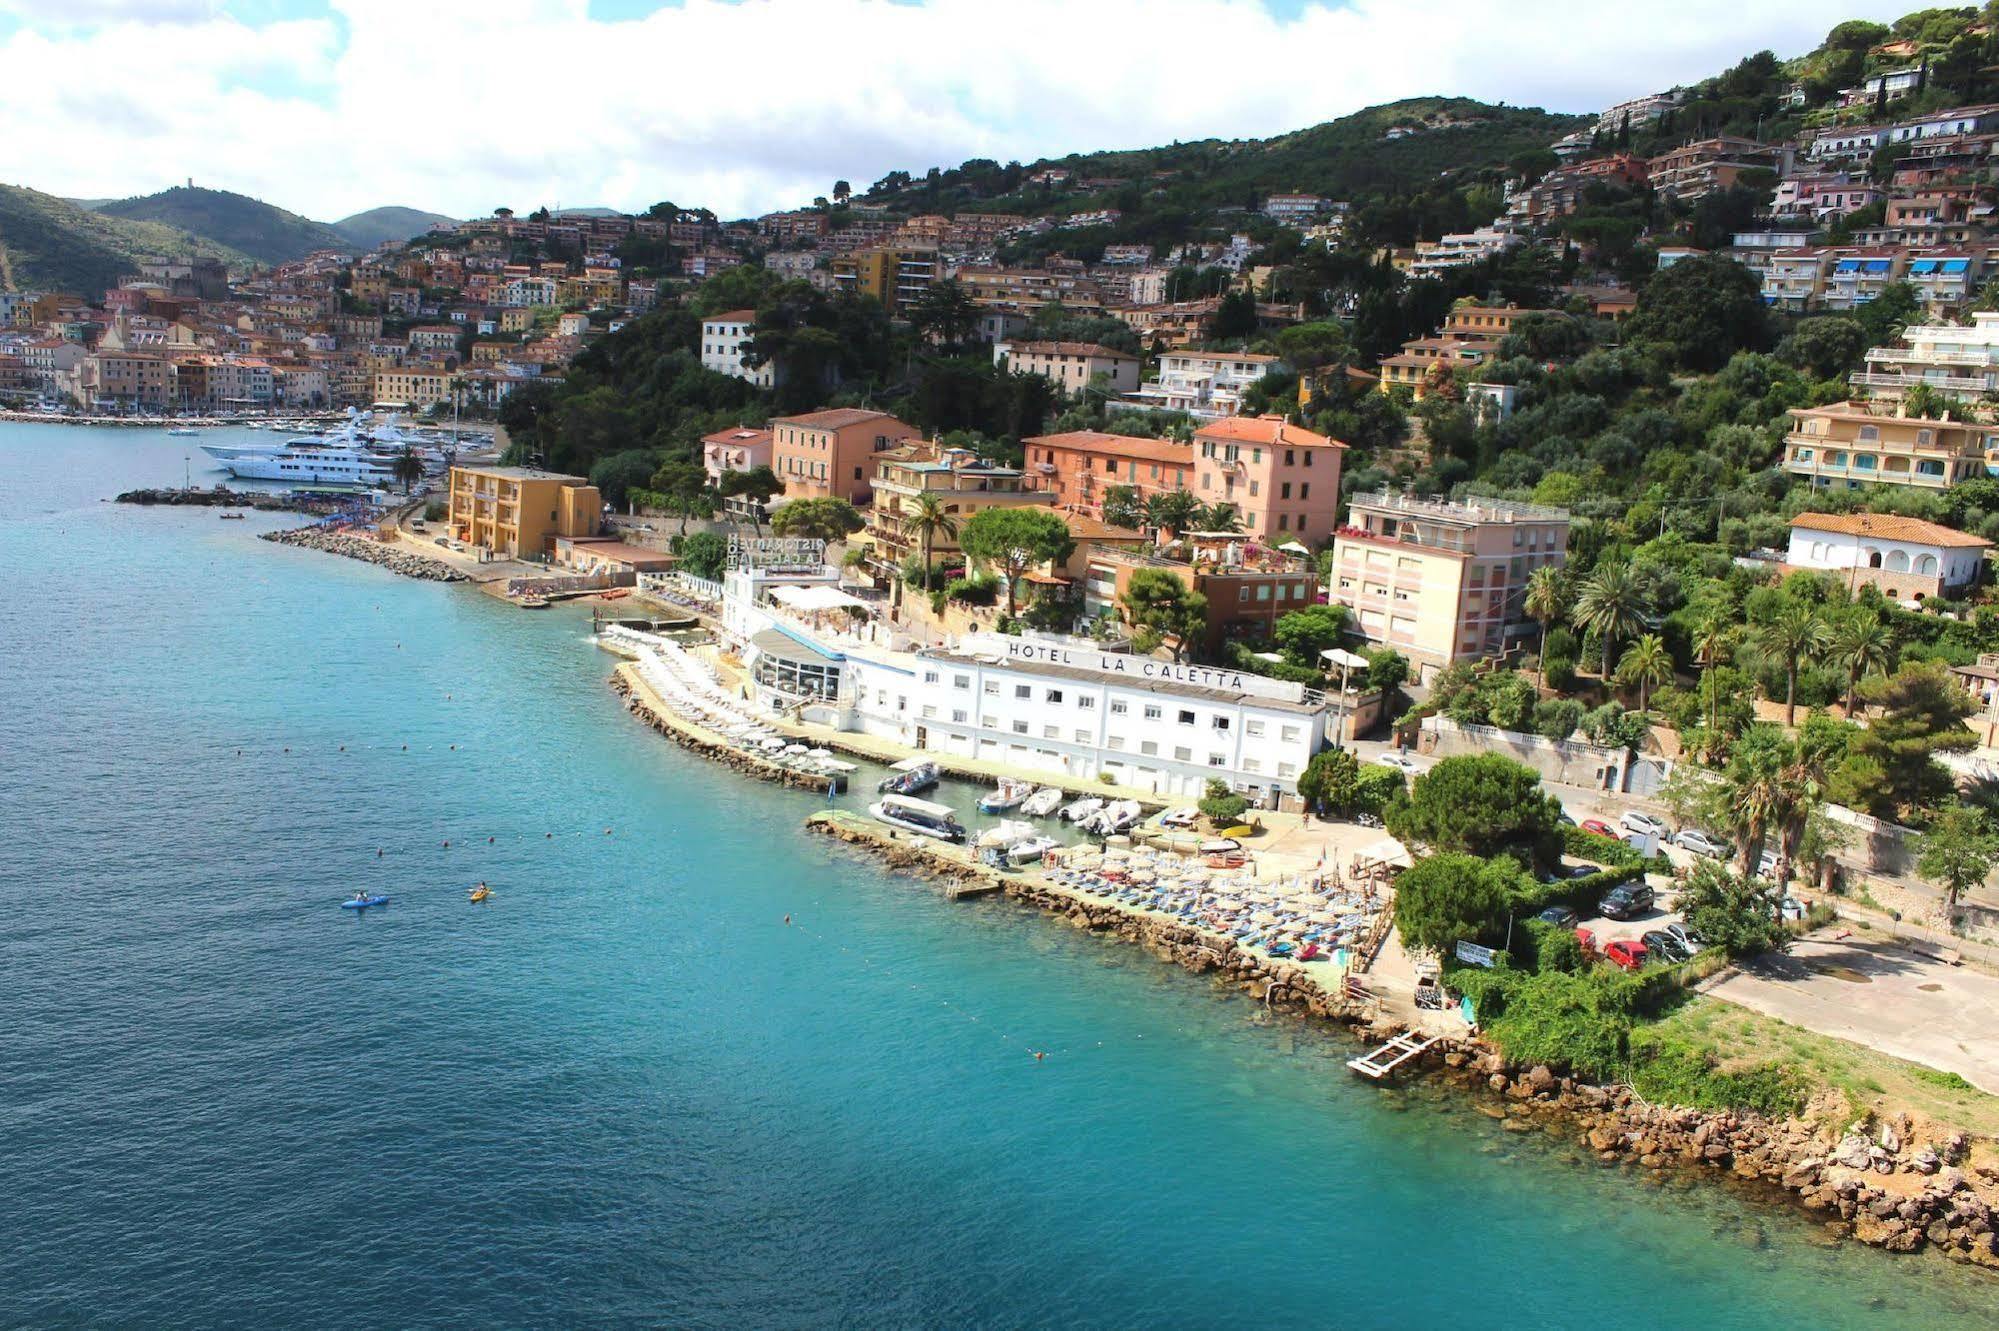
x=625 y=1091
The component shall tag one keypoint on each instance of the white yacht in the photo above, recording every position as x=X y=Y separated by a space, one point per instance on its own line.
x=309 y=464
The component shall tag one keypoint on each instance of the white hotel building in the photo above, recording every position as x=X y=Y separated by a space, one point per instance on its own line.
x=1063 y=707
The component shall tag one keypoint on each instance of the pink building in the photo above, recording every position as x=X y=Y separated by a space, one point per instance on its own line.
x=738 y=449
x=1282 y=478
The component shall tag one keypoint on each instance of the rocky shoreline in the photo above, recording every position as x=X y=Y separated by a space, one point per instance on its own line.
x=735 y=759
x=222 y=497
x=404 y=562
x=1872 y=1182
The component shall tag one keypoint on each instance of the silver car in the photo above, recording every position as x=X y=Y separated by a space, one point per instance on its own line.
x=1700 y=843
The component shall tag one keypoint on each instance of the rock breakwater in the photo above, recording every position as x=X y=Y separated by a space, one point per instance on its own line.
x=369 y=551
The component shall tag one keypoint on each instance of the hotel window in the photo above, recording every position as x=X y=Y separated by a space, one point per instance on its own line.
x=1119 y=707
x=1152 y=712
x=1086 y=701
x=1114 y=742
x=961 y=681
x=1284 y=490
x=990 y=723
x=1218 y=760
x=1051 y=732
x=1183 y=755
x=930 y=677
x=929 y=713
x=1221 y=723
x=1148 y=747
x=1023 y=691
x=1020 y=727
x=1082 y=737
x=1053 y=695
x=1186 y=718
x=958 y=716
x=1289 y=734
x=1287 y=770
x=1304 y=492
x=1253 y=728
x=992 y=688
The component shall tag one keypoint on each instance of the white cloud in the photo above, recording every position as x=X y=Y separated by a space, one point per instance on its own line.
x=463 y=106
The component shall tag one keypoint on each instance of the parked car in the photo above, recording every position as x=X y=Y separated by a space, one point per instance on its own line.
x=1689 y=941
x=1626 y=952
x=1584 y=869
x=1565 y=819
x=1700 y=843
x=1660 y=944
x=1626 y=901
x=1559 y=916
x=1766 y=864
x=1644 y=824
x=1600 y=827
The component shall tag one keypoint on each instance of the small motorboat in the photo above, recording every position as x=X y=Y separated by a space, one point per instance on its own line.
x=911 y=776
x=1081 y=809
x=1011 y=794
x=230 y=517
x=182 y=431
x=363 y=902
x=533 y=603
x=1011 y=832
x=1030 y=850
x=1042 y=802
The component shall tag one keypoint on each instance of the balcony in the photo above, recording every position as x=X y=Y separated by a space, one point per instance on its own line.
x=1956 y=383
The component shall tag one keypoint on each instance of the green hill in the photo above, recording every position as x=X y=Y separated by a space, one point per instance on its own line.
x=377 y=225
x=47 y=242
x=251 y=226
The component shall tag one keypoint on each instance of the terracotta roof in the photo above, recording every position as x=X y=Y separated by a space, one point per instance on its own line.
x=1265 y=430
x=738 y=435
x=733 y=317
x=1118 y=445
x=834 y=418
x=1888 y=527
x=1086 y=528
x=1068 y=349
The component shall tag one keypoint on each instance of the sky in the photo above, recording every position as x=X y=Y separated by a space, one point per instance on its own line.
x=328 y=107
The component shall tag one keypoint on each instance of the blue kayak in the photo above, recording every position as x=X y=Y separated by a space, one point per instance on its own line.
x=364 y=903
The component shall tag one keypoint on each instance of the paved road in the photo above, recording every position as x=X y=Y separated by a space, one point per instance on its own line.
x=1883 y=996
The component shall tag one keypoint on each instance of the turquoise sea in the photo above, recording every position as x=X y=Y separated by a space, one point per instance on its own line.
x=626 y=1092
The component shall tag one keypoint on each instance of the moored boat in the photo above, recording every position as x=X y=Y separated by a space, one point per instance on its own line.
x=1030 y=850
x=1042 y=802
x=919 y=816
x=1011 y=794
x=911 y=776
x=1002 y=835
x=1081 y=809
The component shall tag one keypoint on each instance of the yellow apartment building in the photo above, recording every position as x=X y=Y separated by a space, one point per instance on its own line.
x=518 y=512
x=1440 y=581
x=414 y=388
x=1845 y=446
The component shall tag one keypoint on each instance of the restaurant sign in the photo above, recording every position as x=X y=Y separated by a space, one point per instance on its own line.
x=776 y=552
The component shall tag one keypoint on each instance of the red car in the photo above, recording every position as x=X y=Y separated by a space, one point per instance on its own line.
x=1626 y=952
x=1598 y=826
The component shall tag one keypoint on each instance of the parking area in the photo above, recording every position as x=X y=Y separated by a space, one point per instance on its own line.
x=1880 y=994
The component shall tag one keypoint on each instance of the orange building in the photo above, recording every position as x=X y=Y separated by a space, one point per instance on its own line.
x=830 y=453
x=1078 y=467
x=1282 y=478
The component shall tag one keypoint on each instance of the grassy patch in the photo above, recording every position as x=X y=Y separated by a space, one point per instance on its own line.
x=1739 y=1042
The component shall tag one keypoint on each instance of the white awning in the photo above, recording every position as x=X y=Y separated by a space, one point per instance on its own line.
x=814 y=598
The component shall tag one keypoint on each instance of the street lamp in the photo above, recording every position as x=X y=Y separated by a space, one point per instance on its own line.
x=1346 y=661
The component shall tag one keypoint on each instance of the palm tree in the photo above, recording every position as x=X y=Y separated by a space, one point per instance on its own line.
x=1219 y=517
x=1862 y=644
x=1712 y=637
x=931 y=520
x=1795 y=636
x=1758 y=794
x=1171 y=510
x=1547 y=594
x=1611 y=605
x=408 y=468
x=1646 y=663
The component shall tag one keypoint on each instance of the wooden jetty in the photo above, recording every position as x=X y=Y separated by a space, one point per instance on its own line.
x=1402 y=1049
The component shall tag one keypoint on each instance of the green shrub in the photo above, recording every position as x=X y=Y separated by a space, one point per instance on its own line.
x=1557 y=718
x=979 y=589
x=436 y=511
x=1581 y=1021
x=1222 y=805
x=1666 y=1069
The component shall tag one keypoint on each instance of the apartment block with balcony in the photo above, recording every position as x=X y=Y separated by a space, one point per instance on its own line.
x=1440 y=581
x=1847 y=446
x=1070 y=364
x=518 y=512
x=1081 y=466
x=893 y=275
x=1794 y=279
x=1283 y=479
x=831 y=453
x=1959 y=363
x=1202 y=383
x=742 y=448
x=963 y=484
